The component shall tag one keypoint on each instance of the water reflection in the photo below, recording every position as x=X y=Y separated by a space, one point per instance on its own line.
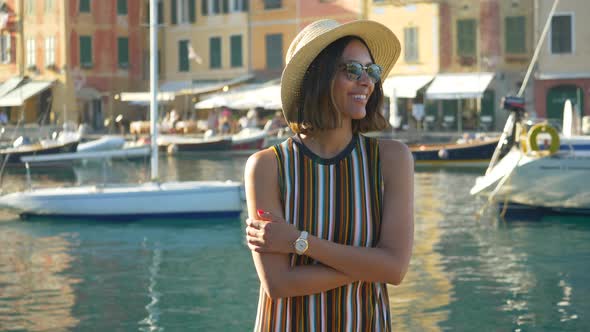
x=35 y=293
x=421 y=302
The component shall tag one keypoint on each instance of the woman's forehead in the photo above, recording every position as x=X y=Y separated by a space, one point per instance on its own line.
x=356 y=51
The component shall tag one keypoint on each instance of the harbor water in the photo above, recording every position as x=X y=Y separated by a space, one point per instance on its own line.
x=466 y=274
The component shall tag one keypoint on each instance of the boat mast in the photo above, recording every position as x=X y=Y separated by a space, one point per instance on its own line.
x=154 y=88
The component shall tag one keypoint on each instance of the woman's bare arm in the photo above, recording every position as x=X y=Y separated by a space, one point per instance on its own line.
x=276 y=276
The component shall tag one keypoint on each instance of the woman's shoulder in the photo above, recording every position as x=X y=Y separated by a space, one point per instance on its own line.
x=395 y=151
x=262 y=162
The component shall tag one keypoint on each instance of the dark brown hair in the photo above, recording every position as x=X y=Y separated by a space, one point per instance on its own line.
x=316 y=109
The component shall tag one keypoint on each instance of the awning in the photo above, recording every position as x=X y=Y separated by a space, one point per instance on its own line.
x=144 y=97
x=87 y=93
x=10 y=85
x=459 y=86
x=266 y=95
x=405 y=86
x=18 y=96
x=200 y=87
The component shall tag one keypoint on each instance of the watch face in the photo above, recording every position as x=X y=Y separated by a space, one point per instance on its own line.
x=300 y=245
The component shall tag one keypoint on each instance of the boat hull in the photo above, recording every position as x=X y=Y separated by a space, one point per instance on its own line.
x=468 y=154
x=14 y=155
x=557 y=182
x=172 y=199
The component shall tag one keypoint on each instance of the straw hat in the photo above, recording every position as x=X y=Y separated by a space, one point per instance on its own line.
x=310 y=41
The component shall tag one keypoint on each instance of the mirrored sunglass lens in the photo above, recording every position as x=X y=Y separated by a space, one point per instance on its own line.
x=374 y=72
x=354 y=70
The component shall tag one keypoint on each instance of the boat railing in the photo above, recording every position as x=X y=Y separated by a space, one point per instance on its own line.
x=83 y=156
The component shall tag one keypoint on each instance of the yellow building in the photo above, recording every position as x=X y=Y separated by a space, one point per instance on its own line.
x=273 y=25
x=417 y=27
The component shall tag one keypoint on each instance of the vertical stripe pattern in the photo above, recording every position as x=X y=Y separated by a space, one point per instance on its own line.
x=340 y=200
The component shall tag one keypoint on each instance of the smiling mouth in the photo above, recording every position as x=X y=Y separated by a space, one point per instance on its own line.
x=359 y=97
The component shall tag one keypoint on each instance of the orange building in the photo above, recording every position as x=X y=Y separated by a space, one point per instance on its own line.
x=70 y=58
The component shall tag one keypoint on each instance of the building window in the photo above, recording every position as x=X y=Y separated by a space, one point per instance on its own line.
x=84 y=6
x=86 y=51
x=183 y=63
x=239 y=6
x=411 y=44
x=515 y=35
x=215 y=52
x=561 y=34
x=466 y=37
x=236 y=51
x=122 y=7
x=183 y=11
x=48 y=6
x=123 y=52
x=49 y=51
x=5 y=48
x=31 y=52
x=272 y=4
x=274 y=51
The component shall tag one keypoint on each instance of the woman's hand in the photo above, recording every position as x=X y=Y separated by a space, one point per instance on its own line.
x=270 y=234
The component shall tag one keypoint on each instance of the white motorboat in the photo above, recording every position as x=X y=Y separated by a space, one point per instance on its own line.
x=206 y=199
x=556 y=180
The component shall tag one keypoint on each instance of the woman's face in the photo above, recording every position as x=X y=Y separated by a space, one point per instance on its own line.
x=351 y=96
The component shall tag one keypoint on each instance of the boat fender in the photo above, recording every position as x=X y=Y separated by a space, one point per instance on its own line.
x=172 y=149
x=443 y=154
x=542 y=128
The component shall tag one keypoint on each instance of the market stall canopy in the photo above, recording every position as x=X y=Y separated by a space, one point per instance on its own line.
x=459 y=86
x=18 y=96
x=405 y=86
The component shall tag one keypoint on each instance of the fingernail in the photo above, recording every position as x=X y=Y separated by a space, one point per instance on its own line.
x=261 y=212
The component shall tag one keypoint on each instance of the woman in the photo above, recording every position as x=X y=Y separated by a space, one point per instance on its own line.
x=331 y=211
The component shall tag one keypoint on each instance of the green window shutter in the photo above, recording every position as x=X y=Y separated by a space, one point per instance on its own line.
x=225 y=6
x=192 y=13
x=236 y=51
x=245 y=5
x=216 y=8
x=84 y=6
x=183 y=62
x=561 y=34
x=123 y=52
x=274 y=51
x=85 y=51
x=215 y=52
x=204 y=7
x=466 y=37
x=515 y=35
x=121 y=7
x=173 y=11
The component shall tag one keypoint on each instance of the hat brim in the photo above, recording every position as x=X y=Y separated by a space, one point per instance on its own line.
x=382 y=42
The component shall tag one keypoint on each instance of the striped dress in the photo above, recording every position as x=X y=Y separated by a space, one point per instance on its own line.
x=337 y=199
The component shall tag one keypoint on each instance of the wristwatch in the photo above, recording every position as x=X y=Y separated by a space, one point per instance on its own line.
x=301 y=244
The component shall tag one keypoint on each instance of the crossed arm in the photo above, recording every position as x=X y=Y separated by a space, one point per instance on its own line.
x=271 y=239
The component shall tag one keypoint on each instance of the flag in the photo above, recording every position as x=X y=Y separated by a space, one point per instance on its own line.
x=193 y=55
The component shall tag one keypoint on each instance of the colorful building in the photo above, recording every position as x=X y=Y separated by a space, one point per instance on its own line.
x=73 y=57
x=563 y=72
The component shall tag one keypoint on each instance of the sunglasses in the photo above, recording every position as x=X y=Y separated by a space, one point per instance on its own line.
x=354 y=71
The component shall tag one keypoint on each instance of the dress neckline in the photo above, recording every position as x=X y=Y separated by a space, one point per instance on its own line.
x=326 y=161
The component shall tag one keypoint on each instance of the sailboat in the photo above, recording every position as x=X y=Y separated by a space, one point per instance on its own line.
x=194 y=199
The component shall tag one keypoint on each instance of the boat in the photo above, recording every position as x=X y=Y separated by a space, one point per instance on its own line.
x=249 y=139
x=178 y=143
x=537 y=175
x=11 y=156
x=194 y=199
x=475 y=153
x=104 y=143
